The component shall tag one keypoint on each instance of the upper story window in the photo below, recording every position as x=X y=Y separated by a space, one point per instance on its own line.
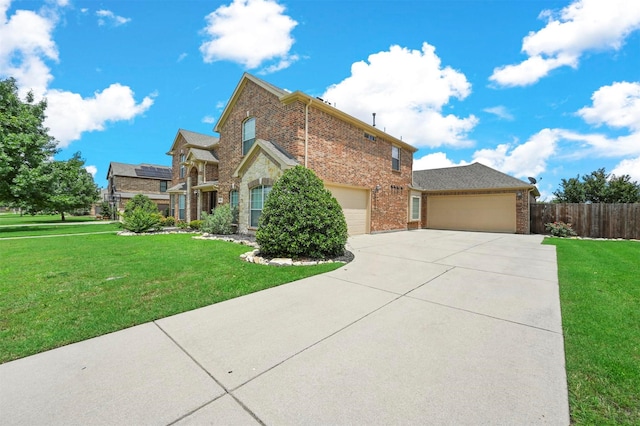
x=395 y=158
x=183 y=167
x=163 y=186
x=248 y=135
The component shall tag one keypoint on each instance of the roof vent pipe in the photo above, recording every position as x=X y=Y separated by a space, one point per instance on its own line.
x=374 y=119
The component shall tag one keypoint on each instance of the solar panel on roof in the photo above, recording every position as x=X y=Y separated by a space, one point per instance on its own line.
x=153 y=172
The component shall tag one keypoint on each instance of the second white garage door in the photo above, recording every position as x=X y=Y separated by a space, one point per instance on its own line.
x=355 y=205
x=490 y=213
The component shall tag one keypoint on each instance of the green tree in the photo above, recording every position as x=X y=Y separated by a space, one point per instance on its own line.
x=571 y=191
x=24 y=143
x=301 y=218
x=57 y=186
x=140 y=201
x=598 y=187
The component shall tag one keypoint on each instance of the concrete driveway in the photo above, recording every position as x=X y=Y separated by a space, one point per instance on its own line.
x=424 y=327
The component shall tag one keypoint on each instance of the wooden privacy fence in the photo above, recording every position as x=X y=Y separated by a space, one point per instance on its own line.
x=590 y=220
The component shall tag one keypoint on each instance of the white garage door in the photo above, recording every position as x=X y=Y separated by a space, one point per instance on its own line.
x=355 y=205
x=490 y=213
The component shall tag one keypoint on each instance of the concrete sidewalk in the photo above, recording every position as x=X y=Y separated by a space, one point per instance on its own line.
x=423 y=327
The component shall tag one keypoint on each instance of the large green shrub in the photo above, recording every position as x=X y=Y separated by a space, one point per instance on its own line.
x=140 y=220
x=220 y=221
x=141 y=215
x=301 y=218
x=141 y=201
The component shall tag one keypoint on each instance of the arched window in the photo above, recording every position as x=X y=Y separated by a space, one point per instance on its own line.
x=248 y=134
x=258 y=196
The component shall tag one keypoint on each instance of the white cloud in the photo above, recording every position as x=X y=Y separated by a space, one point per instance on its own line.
x=108 y=17
x=629 y=167
x=584 y=25
x=250 y=32
x=181 y=57
x=93 y=170
x=501 y=112
x=69 y=114
x=436 y=160
x=208 y=119
x=27 y=45
x=527 y=159
x=407 y=90
x=617 y=106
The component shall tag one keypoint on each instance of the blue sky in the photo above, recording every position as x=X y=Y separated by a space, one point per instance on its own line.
x=548 y=89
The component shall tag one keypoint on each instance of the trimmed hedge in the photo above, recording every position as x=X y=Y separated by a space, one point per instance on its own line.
x=301 y=218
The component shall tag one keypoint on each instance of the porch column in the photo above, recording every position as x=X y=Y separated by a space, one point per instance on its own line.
x=199 y=204
x=187 y=215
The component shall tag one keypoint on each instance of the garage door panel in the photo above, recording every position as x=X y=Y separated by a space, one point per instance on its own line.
x=491 y=213
x=355 y=205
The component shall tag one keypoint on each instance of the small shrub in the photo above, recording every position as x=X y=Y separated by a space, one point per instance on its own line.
x=560 y=229
x=301 y=218
x=195 y=224
x=140 y=220
x=169 y=221
x=220 y=221
x=182 y=224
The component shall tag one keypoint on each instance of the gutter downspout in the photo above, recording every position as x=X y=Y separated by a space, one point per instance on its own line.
x=306 y=131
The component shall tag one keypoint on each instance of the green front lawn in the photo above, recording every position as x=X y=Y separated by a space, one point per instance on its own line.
x=16 y=219
x=57 y=229
x=600 y=298
x=59 y=290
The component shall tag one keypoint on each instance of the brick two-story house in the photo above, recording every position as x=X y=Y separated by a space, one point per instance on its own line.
x=264 y=130
x=194 y=187
x=124 y=181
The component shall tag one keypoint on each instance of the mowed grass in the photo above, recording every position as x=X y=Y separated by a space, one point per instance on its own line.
x=59 y=290
x=57 y=229
x=600 y=299
x=16 y=219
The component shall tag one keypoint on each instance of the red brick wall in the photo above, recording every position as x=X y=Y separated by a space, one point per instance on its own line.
x=338 y=152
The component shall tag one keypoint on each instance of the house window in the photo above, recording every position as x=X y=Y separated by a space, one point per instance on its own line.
x=258 y=196
x=395 y=158
x=182 y=202
x=172 y=205
x=233 y=198
x=415 y=208
x=163 y=186
x=183 y=167
x=248 y=135
x=369 y=136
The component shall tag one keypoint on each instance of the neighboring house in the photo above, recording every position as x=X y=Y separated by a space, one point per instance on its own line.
x=265 y=130
x=128 y=180
x=471 y=198
x=194 y=185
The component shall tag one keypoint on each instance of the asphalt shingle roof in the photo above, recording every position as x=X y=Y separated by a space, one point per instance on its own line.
x=148 y=171
x=198 y=139
x=473 y=176
x=203 y=155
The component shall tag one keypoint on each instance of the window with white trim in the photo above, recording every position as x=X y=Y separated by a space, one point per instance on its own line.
x=395 y=158
x=183 y=167
x=256 y=203
x=182 y=204
x=248 y=134
x=415 y=208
